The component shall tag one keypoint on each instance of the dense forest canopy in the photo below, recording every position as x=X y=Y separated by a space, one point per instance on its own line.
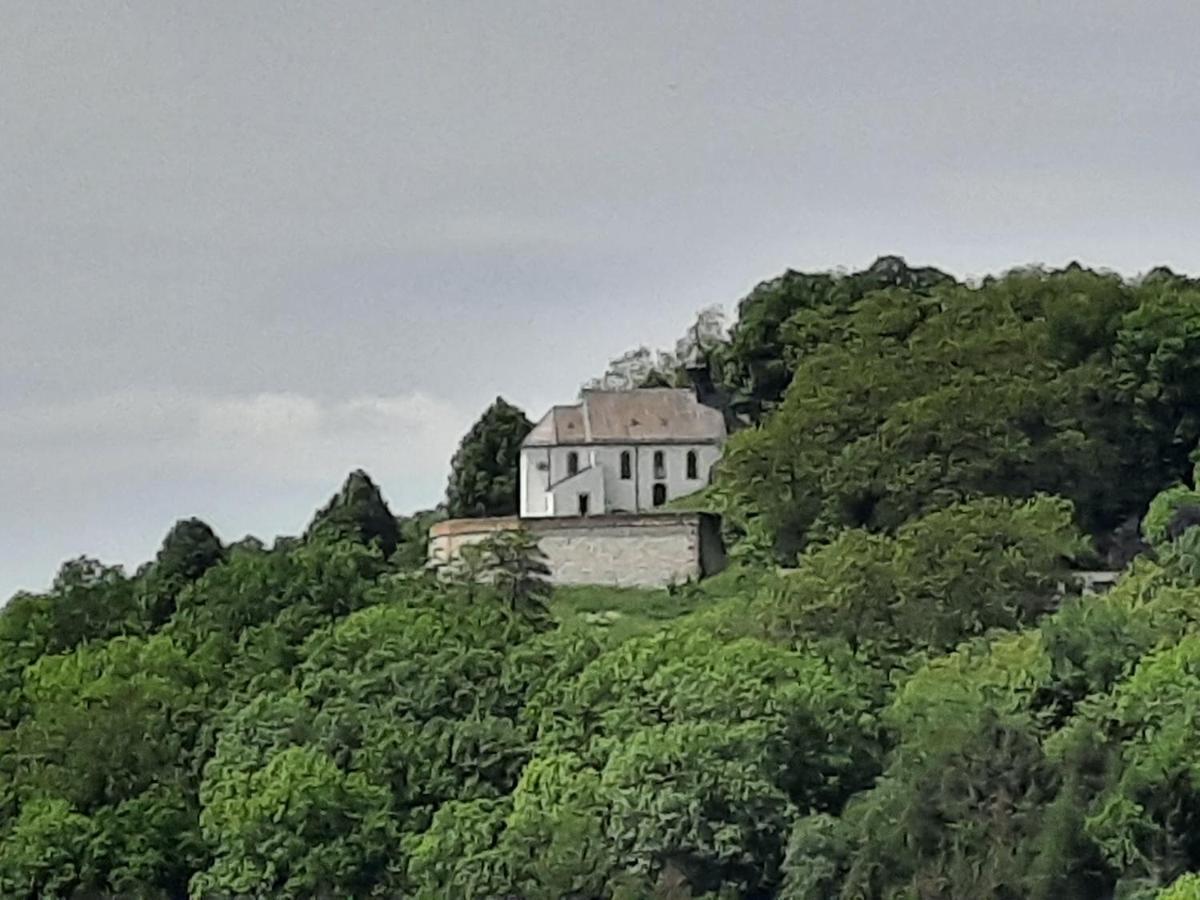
x=863 y=399
x=917 y=705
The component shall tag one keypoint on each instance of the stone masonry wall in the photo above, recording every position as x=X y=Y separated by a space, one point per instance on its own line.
x=651 y=550
x=629 y=557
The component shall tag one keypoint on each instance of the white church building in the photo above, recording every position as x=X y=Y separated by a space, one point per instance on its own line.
x=619 y=452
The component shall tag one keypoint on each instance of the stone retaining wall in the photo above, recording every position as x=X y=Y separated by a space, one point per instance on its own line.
x=648 y=550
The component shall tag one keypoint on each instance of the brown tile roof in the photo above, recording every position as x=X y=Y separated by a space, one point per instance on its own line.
x=648 y=415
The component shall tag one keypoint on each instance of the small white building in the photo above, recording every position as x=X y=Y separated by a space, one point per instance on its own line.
x=619 y=452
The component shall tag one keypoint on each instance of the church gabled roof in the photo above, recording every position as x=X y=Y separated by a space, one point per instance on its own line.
x=647 y=415
x=562 y=425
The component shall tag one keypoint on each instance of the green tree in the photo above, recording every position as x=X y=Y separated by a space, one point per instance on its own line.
x=967 y=806
x=87 y=601
x=357 y=512
x=484 y=473
x=250 y=616
x=1158 y=374
x=301 y=827
x=457 y=855
x=696 y=766
x=1171 y=513
x=906 y=400
x=783 y=320
x=922 y=708
x=1185 y=887
x=512 y=562
x=45 y=853
x=1145 y=821
x=944 y=577
x=392 y=712
x=112 y=731
x=189 y=550
x=413 y=550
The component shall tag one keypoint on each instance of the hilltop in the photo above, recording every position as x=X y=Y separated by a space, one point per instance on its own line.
x=888 y=694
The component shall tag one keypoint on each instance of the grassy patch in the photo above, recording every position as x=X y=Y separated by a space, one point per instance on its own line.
x=622 y=612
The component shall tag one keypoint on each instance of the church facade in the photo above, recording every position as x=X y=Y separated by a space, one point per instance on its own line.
x=619 y=452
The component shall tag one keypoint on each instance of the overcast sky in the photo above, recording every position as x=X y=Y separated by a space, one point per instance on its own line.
x=246 y=247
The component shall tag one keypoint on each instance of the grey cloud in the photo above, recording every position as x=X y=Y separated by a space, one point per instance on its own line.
x=247 y=463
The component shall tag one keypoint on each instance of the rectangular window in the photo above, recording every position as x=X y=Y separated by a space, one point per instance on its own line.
x=584 y=504
x=692 y=468
x=626 y=466
x=660 y=464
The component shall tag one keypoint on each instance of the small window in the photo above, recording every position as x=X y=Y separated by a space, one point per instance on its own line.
x=660 y=465
x=691 y=465
x=585 y=503
x=660 y=494
x=572 y=463
x=626 y=466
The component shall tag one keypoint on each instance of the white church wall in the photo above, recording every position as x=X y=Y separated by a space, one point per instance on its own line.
x=589 y=482
x=544 y=491
x=535 y=480
x=621 y=493
x=675 y=470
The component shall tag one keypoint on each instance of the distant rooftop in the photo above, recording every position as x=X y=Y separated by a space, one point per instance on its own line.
x=644 y=416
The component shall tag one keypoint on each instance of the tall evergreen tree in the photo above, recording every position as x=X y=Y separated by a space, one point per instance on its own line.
x=357 y=512
x=189 y=550
x=484 y=477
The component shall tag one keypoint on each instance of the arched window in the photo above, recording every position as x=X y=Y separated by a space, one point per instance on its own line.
x=660 y=465
x=660 y=494
x=572 y=463
x=626 y=466
x=691 y=465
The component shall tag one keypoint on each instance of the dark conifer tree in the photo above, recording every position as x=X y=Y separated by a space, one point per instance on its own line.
x=484 y=473
x=357 y=512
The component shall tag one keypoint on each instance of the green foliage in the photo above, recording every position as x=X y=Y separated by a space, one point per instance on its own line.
x=1145 y=820
x=1042 y=763
x=45 y=852
x=969 y=801
x=484 y=477
x=921 y=708
x=358 y=513
x=1157 y=369
x=513 y=564
x=413 y=551
x=906 y=399
x=710 y=725
x=112 y=732
x=784 y=319
x=88 y=601
x=298 y=827
x=457 y=856
x=1186 y=887
x=1163 y=516
x=189 y=550
x=313 y=720
x=942 y=578
x=818 y=855
x=618 y=613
